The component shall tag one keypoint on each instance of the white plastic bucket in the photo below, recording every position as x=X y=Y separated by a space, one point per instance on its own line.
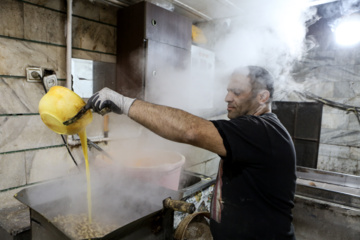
x=159 y=167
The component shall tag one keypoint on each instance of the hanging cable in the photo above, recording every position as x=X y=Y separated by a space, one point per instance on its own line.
x=347 y=108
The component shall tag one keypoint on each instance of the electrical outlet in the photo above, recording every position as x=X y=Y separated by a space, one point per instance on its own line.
x=33 y=74
x=50 y=81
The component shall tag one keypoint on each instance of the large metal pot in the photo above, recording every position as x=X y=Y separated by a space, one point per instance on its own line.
x=134 y=209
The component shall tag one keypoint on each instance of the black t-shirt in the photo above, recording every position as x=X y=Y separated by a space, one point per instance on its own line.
x=258 y=178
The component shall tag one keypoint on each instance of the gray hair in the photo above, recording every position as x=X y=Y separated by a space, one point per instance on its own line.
x=261 y=79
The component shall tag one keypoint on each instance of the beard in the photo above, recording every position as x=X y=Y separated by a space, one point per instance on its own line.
x=246 y=107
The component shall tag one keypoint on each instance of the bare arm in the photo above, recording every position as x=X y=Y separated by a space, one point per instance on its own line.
x=177 y=125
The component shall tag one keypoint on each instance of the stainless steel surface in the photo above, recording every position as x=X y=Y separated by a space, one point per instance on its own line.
x=341 y=179
x=331 y=187
x=195 y=182
x=326 y=194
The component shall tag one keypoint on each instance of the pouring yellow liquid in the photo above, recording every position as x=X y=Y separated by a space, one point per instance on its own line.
x=59 y=105
x=83 y=140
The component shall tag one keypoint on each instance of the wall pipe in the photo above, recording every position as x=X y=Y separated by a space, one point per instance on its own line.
x=68 y=43
x=69 y=51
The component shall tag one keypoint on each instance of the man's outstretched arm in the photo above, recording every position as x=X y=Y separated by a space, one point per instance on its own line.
x=170 y=123
x=178 y=125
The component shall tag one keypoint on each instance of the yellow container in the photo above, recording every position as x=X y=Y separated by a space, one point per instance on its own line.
x=59 y=105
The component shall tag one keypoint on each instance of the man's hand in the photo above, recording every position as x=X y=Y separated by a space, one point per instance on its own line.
x=262 y=109
x=107 y=98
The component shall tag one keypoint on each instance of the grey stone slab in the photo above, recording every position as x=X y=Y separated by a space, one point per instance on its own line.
x=340 y=137
x=355 y=153
x=343 y=89
x=317 y=57
x=96 y=127
x=332 y=57
x=107 y=58
x=332 y=110
x=212 y=166
x=335 y=73
x=354 y=122
x=16 y=55
x=46 y=164
x=25 y=132
x=322 y=89
x=348 y=73
x=108 y=14
x=19 y=96
x=94 y=36
x=44 y=25
x=347 y=56
x=335 y=121
x=353 y=101
x=53 y=4
x=195 y=155
x=92 y=9
x=100 y=57
x=7 y=199
x=12 y=170
x=51 y=163
x=97 y=11
x=198 y=168
x=86 y=55
x=338 y=164
x=334 y=151
x=11 y=18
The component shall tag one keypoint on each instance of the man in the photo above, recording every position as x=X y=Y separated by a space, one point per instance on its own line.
x=255 y=187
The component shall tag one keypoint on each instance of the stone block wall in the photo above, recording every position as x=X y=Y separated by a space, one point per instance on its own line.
x=32 y=33
x=334 y=74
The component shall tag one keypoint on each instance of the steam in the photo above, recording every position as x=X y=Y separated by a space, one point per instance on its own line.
x=270 y=34
x=265 y=33
x=117 y=197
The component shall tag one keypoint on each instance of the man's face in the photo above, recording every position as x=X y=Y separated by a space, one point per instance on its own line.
x=240 y=98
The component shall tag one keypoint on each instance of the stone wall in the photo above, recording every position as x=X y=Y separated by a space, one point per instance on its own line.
x=334 y=74
x=32 y=33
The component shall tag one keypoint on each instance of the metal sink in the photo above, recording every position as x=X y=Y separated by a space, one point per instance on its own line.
x=191 y=182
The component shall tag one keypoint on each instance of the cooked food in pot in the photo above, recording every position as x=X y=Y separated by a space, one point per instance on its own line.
x=79 y=227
